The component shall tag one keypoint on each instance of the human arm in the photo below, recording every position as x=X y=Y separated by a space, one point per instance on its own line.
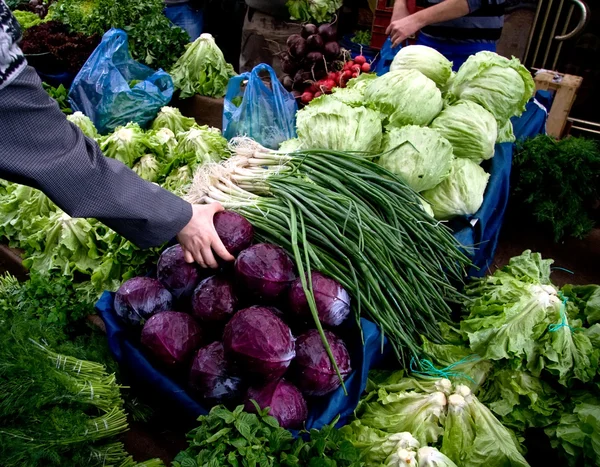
x=400 y=10
x=41 y=148
x=401 y=29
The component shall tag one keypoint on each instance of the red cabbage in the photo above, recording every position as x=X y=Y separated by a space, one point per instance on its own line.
x=287 y=405
x=264 y=271
x=315 y=374
x=180 y=277
x=260 y=342
x=213 y=377
x=214 y=300
x=171 y=337
x=234 y=230
x=333 y=302
x=140 y=298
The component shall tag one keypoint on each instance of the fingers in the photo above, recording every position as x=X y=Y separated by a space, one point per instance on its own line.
x=209 y=257
x=389 y=29
x=189 y=258
x=219 y=249
x=217 y=207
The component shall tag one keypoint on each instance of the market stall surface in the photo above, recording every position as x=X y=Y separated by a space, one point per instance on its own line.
x=578 y=262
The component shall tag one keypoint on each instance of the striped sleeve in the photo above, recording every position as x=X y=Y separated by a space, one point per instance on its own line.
x=12 y=61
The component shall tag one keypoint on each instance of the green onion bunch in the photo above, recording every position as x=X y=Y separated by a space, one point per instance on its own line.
x=346 y=217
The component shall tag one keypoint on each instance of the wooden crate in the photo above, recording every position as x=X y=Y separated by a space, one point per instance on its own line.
x=565 y=89
x=206 y=110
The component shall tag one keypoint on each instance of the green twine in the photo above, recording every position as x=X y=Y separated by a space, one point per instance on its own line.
x=429 y=369
x=563 y=316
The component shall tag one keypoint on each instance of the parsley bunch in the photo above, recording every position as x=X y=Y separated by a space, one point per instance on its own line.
x=557 y=183
x=243 y=439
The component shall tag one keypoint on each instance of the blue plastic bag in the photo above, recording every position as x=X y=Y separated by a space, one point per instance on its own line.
x=386 y=56
x=267 y=115
x=102 y=91
x=169 y=392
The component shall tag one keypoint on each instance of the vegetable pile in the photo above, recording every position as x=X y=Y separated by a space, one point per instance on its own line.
x=202 y=69
x=429 y=127
x=402 y=414
x=235 y=437
x=352 y=221
x=309 y=57
x=68 y=51
x=228 y=338
x=319 y=11
x=58 y=407
x=153 y=39
x=557 y=183
x=57 y=245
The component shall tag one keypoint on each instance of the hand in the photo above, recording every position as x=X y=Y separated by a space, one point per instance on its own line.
x=401 y=29
x=199 y=239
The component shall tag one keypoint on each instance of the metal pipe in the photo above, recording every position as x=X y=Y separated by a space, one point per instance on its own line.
x=584 y=122
x=560 y=44
x=541 y=35
x=531 y=33
x=573 y=127
x=554 y=26
x=585 y=16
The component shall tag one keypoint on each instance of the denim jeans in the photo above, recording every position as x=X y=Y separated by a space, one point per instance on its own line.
x=457 y=53
x=186 y=18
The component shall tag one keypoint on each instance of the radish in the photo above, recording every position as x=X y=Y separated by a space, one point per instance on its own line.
x=318 y=94
x=360 y=60
x=355 y=75
x=306 y=97
x=332 y=75
x=365 y=67
x=355 y=69
x=347 y=75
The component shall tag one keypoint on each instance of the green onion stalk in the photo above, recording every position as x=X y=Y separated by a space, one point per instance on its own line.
x=346 y=217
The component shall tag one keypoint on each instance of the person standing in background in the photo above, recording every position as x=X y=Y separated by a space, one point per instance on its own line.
x=267 y=27
x=187 y=14
x=455 y=28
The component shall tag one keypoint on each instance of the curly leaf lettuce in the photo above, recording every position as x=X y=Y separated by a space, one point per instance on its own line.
x=202 y=69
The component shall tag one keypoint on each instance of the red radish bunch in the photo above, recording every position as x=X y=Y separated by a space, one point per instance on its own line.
x=333 y=79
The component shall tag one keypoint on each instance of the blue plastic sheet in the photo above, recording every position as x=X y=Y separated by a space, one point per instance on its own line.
x=386 y=57
x=102 y=90
x=266 y=114
x=482 y=231
x=172 y=393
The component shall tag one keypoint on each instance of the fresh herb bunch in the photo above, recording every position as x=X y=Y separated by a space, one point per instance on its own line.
x=61 y=96
x=240 y=439
x=153 y=39
x=557 y=183
x=362 y=37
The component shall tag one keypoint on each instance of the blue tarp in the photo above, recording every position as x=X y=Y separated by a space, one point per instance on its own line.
x=483 y=229
x=172 y=393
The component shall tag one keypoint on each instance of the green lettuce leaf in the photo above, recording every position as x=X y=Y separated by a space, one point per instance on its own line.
x=577 y=434
x=126 y=144
x=521 y=400
x=421 y=414
x=202 y=69
x=172 y=119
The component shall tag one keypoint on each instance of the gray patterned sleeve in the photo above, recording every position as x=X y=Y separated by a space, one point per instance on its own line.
x=41 y=148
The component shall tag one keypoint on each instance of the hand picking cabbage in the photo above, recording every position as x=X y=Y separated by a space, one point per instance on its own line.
x=426 y=60
x=330 y=124
x=470 y=128
x=405 y=97
x=498 y=84
x=461 y=193
x=418 y=155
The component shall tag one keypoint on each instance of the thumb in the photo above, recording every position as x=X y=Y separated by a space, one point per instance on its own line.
x=217 y=207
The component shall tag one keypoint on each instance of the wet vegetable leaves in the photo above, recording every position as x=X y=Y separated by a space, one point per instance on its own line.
x=242 y=439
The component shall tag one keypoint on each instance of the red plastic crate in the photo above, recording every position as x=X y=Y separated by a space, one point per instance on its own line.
x=382 y=19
